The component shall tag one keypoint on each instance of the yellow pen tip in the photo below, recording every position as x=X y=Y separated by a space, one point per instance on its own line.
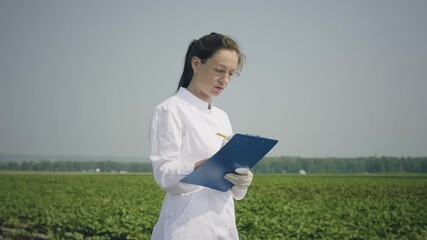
x=222 y=135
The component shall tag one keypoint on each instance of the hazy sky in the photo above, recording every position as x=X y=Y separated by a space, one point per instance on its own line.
x=326 y=78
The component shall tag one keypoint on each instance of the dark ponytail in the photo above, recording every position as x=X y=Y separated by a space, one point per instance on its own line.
x=204 y=48
x=187 y=73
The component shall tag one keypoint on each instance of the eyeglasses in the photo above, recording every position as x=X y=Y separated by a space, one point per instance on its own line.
x=220 y=72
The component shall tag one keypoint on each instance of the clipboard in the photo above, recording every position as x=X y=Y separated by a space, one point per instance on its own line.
x=242 y=151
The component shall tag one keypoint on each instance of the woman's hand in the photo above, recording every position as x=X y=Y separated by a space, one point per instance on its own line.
x=197 y=164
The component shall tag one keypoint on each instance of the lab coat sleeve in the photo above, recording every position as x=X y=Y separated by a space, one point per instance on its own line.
x=165 y=137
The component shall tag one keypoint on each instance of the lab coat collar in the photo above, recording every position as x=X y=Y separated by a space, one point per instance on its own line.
x=187 y=96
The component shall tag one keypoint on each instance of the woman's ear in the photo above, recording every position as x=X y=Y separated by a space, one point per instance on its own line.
x=195 y=64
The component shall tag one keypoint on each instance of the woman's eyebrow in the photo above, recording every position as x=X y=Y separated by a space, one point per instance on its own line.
x=224 y=66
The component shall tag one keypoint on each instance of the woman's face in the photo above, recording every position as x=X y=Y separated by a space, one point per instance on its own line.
x=212 y=75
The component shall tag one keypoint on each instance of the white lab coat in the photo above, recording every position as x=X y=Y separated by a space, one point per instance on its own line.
x=183 y=131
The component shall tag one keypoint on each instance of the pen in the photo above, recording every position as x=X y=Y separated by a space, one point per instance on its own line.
x=222 y=135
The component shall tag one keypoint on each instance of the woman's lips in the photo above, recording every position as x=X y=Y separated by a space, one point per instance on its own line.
x=218 y=88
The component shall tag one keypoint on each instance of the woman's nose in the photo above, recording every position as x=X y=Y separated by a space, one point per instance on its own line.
x=226 y=78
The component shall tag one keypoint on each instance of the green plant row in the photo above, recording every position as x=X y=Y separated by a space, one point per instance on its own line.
x=82 y=206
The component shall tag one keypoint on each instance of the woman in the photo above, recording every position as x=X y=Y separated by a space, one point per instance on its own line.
x=183 y=134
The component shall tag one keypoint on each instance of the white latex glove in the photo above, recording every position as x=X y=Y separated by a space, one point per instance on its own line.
x=241 y=179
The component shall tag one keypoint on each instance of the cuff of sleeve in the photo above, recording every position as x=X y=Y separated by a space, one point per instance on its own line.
x=187 y=169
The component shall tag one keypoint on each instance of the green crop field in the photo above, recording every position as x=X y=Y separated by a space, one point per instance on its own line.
x=100 y=206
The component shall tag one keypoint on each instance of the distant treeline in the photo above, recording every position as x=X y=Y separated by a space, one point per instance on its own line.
x=342 y=165
x=77 y=166
x=267 y=165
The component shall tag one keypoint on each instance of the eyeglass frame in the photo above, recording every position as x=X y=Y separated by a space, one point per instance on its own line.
x=221 y=72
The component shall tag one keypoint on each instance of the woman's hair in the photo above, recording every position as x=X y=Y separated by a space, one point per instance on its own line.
x=204 y=48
